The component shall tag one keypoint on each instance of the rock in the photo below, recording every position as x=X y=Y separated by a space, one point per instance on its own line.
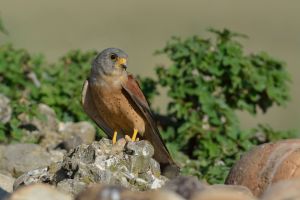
x=130 y=166
x=150 y=195
x=71 y=186
x=141 y=153
x=46 y=129
x=2 y=150
x=44 y=125
x=20 y=158
x=99 y=191
x=69 y=135
x=38 y=192
x=6 y=183
x=5 y=109
x=185 y=186
x=40 y=175
x=157 y=195
x=56 y=155
x=74 y=134
x=267 y=164
x=51 y=140
x=283 y=190
x=46 y=119
x=223 y=192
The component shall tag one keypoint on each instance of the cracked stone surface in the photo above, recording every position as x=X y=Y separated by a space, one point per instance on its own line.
x=128 y=164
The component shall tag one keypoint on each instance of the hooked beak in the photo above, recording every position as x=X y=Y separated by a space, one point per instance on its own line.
x=122 y=62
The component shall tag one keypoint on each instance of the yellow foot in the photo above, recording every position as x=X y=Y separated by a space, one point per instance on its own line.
x=114 y=139
x=135 y=132
x=133 y=138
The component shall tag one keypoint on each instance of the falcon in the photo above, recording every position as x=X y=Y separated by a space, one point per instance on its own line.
x=113 y=99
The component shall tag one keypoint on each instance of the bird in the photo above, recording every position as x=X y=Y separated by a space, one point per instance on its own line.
x=113 y=99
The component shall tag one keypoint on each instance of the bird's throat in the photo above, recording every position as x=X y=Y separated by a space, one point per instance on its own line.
x=110 y=81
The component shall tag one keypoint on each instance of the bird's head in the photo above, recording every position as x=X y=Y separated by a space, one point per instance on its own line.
x=110 y=62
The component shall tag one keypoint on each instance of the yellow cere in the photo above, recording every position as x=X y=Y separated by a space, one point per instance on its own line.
x=122 y=61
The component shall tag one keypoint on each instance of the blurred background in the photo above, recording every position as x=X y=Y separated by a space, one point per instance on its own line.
x=141 y=27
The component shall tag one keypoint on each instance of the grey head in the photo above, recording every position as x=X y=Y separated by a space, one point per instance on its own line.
x=110 y=62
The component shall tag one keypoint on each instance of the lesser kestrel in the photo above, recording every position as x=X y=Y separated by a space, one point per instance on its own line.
x=114 y=100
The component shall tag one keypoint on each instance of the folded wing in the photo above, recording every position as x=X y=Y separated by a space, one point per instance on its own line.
x=90 y=108
x=134 y=94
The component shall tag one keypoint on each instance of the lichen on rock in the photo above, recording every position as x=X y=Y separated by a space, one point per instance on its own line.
x=128 y=164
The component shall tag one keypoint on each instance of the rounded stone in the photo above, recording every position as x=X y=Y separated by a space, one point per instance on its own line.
x=283 y=190
x=38 y=192
x=267 y=164
x=223 y=192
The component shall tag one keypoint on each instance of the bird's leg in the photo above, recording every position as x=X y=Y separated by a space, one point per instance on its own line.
x=114 y=139
x=133 y=138
x=135 y=132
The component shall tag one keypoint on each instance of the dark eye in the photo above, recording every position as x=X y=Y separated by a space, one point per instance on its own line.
x=113 y=57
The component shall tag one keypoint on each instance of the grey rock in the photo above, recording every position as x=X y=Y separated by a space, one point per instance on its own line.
x=49 y=120
x=141 y=148
x=38 y=192
x=71 y=186
x=74 y=134
x=44 y=125
x=46 y=129
x=20 y=158
x=110 y=192
x=101 y=162
x=46 y=119
x=141 y=153
x=41 y=175
x=6 y=183
x=50 y=139
x=56 y=155
x=5 y=109
x=100 y=191
x=2 y=150
x=185 y=186
x=69 y=135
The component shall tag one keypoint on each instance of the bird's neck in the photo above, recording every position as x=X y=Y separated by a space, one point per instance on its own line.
x=109 y=81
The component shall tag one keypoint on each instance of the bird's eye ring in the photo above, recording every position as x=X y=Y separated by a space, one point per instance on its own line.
x=113 y=57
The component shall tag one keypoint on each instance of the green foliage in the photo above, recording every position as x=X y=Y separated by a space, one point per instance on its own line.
x=28 y=80
x=208 y=81
x=15 y=67
x=61 y=85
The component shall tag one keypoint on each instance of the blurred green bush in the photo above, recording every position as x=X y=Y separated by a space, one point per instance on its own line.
x=28 y=80
x=207 y=82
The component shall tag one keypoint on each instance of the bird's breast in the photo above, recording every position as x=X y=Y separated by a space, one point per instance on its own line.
x=116 y=110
